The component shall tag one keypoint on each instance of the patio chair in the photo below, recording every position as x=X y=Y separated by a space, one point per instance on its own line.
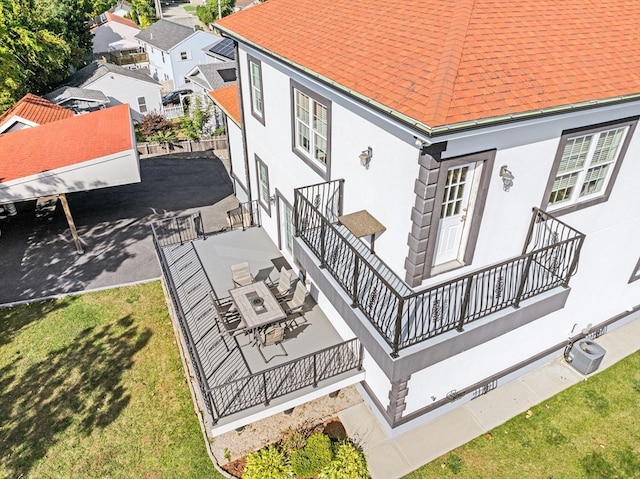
x=274 y=335
x=241 y=274
x=283 y=287
x=297 y=302
x=228 y=316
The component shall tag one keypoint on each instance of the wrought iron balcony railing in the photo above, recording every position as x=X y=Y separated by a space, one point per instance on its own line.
x=549 y=259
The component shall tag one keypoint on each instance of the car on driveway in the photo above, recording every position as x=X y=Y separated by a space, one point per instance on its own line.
x=173 y=98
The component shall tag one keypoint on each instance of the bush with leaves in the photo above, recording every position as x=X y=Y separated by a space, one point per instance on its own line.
x=268 y=463
x=348 y=463
x=152 y=124
x=194 y=124
x=316 y=455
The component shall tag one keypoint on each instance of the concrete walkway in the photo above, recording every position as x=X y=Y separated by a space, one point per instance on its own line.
x=394 y=458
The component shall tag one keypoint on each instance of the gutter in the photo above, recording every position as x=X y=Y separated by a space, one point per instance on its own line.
x=443 y=129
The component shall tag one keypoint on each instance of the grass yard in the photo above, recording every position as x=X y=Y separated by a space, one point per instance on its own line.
x=93 y=386
x=591 y=431
x=189 y=8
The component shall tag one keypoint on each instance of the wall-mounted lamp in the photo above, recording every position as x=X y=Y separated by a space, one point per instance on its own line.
x=272 y=200
x=365 y=157
x=422 y=144
x=507 y=178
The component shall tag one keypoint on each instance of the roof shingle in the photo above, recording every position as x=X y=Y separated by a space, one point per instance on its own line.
x=441 y=62
x=36 y=109
x=227 y=99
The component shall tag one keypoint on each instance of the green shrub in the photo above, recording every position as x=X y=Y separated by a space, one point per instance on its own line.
x=268 y=463
x=348 y=463
x=455 y=463
x=313 y=457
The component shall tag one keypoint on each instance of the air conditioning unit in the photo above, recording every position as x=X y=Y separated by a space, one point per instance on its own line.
x=586 y=356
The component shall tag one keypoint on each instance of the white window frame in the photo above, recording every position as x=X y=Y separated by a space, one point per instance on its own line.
x=186 y=55
x=142 y=104
x=583 y=154
x=256 y=88
x=309 y=133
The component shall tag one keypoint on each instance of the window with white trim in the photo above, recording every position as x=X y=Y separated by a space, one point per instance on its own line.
x=256 y=89
x=185 y=56
x=311 y=127
x=142 y=104
x=586 y=166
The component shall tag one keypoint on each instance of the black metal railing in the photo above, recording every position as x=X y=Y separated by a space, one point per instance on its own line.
x=244 y=216
x=260 y=388
x=550 y=257
x=265 y=386
x=179 y=230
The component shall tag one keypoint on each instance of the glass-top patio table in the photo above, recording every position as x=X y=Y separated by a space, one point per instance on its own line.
x=257 y=306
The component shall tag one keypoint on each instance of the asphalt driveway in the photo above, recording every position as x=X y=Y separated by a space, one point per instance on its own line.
x=38 y=257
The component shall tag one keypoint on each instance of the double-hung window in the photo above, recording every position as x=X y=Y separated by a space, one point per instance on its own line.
x=142 y=104
x=586 y=166
x=311 y=128
x=262 y=173
x=255 y=88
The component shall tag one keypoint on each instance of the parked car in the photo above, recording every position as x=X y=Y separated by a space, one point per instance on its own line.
x=173 y=98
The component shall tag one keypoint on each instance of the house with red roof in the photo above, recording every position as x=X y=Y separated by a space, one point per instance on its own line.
x=31 y=110
x=456 y=182
x=65 y=153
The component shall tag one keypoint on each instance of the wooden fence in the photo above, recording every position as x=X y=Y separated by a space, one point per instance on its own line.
x=216 y=143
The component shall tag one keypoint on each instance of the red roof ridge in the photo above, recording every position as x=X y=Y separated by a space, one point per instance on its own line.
x=447 y=69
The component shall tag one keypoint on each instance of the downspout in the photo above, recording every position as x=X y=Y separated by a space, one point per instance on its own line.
x=243 y=120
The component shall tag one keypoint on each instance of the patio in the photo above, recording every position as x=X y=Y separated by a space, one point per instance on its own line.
x=235 y=383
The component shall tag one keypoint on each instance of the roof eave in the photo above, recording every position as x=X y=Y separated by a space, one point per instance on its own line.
x=435 y=131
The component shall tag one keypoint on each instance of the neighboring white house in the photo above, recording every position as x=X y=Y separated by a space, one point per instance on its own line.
x=114 y=30
x=174 y=50
x=120 y=85
x=492 y=154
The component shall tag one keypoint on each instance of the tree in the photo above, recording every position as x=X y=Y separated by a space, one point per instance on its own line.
x=34 y=57
x=143 y=12
x=208 y=13
x=69 y=19
x=152 y=124
x=194 y=124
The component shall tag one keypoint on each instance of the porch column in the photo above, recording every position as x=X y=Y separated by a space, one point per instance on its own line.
x=72 y=225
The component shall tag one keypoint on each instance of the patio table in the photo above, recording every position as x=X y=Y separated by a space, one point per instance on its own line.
x=257 y=306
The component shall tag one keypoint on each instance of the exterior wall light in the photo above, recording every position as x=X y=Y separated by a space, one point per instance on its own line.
x=507 y=178
x=272 y=199
x=365 y=157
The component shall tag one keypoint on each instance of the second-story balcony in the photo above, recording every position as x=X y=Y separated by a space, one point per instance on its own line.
x=403 y=317
x=129 y=58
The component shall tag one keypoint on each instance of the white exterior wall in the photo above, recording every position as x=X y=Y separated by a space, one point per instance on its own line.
x=392 y=173
x=599 y=290
x=120 y=89
x=111 y=32
x=236 y=152
x=157 y=68
x=193 y=46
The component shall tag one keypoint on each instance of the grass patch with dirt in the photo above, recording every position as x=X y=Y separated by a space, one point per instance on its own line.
x=93 y=386
x=590 y=431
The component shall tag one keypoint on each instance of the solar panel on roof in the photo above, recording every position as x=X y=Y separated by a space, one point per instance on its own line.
x=225 y=48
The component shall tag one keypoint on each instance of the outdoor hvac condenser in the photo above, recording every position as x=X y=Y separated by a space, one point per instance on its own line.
x=586 y=356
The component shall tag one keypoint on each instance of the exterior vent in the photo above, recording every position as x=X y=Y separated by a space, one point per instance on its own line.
x=586 y=356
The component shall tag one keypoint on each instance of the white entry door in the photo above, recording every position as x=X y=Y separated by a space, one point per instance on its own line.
x=454 y=213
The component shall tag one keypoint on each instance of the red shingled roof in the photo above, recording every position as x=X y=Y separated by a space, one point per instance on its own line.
x=227 y=99
x=65 y=142
x=442 y=62
x=36 y=109
x=118 y=19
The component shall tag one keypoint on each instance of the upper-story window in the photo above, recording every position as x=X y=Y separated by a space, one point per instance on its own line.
x=311 y=128
x=256 y=89
x=262 y=172
x=586 y=166
x=142 y=104
x=162 y=53
x=185 y=56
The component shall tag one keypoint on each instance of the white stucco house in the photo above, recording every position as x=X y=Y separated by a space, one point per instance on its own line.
x=174 y=50
x=458 y=183
x=120 y=85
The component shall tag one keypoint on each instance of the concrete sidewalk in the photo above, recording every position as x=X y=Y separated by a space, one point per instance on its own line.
x=394 y=458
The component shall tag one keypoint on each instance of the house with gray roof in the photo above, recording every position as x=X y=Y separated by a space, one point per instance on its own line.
x=212 y=76
x=120 y=85
x=80 y=100
x=174 y=50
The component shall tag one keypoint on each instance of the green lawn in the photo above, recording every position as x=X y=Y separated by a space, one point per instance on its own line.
x=190 y=8
x=93 y=386
x=591 y=430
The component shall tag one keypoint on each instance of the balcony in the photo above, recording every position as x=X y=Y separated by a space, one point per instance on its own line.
x=125 y=58
x=233 y=384
x=402 y=317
